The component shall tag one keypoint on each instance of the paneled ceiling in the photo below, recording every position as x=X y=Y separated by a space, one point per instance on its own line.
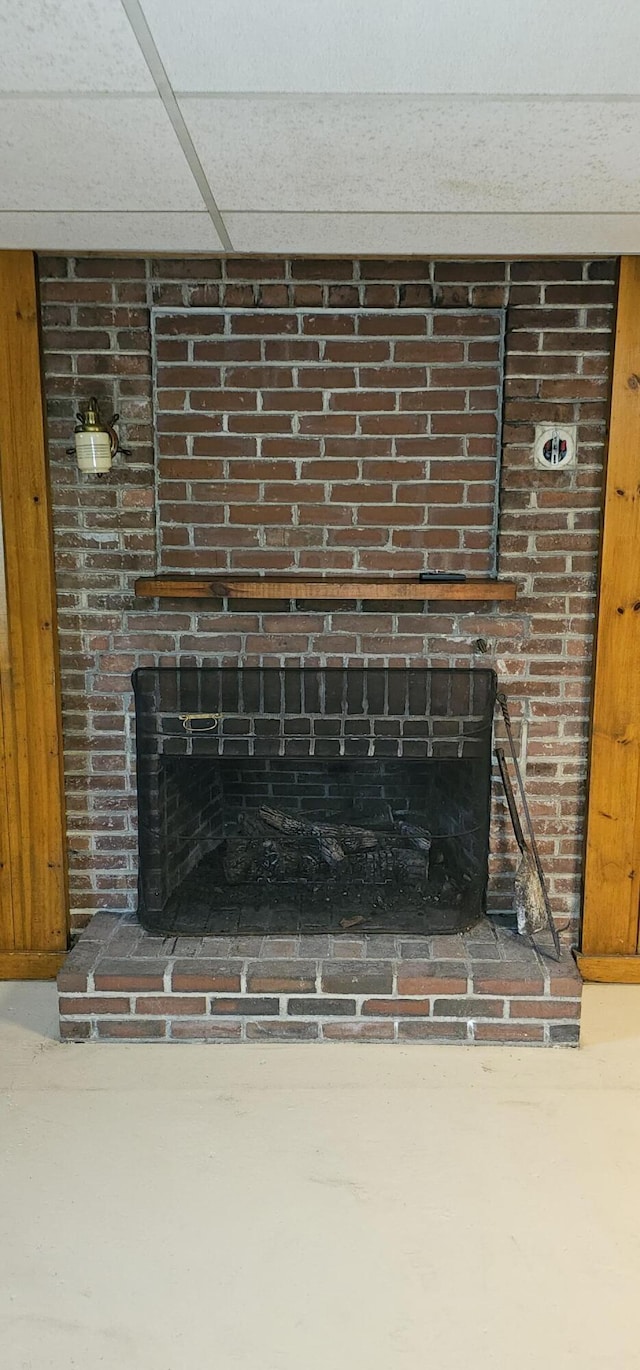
x=318 y=126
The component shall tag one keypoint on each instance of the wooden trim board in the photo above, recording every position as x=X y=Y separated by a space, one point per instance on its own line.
x=30 y=965
x=612 y=858
x=610 y=970
x=319 y=587
x=33 y=895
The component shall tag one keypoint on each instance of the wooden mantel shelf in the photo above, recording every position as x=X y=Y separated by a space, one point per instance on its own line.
x=320 y=587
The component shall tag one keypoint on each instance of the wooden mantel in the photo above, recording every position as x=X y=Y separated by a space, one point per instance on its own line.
x=321 y=587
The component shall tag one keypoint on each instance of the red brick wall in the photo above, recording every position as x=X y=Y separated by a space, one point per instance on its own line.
x=321 y=441
x=97 y=340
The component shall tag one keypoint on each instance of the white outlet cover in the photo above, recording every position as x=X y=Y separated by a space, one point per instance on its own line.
x=554 y=448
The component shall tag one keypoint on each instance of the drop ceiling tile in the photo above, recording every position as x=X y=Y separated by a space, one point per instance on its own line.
x=61 y=153
x=426 y=235
x=410 y=154
x=507 y=46
x=109 y=232
x=69 y=45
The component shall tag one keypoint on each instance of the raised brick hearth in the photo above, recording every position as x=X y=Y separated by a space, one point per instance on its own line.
x=483 y=986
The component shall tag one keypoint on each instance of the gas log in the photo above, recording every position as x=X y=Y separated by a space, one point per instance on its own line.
x=271 y=844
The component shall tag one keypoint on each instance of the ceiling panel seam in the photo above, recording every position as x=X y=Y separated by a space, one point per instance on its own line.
x=144 y=37
x=436 y=213
x=432 y=97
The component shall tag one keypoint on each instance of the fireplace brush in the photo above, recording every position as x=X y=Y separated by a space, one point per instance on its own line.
x=533 y=909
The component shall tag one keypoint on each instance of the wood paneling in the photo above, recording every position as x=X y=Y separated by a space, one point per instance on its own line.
x=33 y=902
x=320 y=587
x=612 y=863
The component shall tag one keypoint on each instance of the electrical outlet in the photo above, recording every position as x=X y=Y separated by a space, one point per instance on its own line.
x=554 y=448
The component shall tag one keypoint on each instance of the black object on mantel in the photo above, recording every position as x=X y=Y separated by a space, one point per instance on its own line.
x=442 y=577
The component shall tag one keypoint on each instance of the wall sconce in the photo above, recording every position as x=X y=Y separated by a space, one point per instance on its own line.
x=96 y=442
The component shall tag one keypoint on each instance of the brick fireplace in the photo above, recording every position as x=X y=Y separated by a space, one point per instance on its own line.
x=309 y=416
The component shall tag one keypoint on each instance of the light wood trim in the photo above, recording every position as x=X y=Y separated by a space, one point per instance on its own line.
x=30 y=965
x=612 y=859
x=33 y=902
x=8 y=929
x=610 y=970
x=319 y=587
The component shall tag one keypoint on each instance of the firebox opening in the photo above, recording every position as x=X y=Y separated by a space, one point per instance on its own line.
x=249 y=828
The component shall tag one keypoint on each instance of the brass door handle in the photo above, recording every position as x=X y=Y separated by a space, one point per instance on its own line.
x=209 y=722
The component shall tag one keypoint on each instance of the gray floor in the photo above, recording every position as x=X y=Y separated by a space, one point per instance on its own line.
x=271 y=1208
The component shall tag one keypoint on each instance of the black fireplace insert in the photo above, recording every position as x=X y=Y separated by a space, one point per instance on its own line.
x=312 y=799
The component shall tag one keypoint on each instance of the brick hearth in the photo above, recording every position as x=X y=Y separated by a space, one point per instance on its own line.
x=483 y=986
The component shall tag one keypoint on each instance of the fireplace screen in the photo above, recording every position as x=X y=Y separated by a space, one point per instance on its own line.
x=312 y=800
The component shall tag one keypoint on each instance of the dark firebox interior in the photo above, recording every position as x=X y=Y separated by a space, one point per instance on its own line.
x=272 y=804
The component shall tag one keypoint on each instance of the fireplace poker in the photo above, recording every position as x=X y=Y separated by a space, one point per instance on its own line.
x=536 y=906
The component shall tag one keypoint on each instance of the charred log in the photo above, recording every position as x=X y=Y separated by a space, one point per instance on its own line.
x=350 y=838
x=271 y=844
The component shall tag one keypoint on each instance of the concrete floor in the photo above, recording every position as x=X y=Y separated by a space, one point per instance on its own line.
x=279 y=1207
